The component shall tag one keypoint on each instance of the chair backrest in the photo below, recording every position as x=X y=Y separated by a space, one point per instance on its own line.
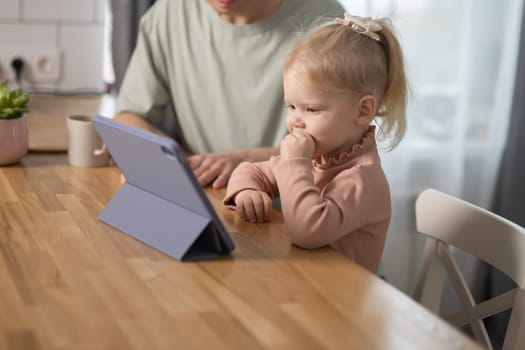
x=448 y=221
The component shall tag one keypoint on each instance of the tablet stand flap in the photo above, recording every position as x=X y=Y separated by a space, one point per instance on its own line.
x=168 y=227
x=206 y=246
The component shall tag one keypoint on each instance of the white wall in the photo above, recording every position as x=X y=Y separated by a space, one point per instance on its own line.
x=62 y=40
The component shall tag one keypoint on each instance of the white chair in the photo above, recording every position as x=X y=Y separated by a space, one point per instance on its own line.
x=448 y=221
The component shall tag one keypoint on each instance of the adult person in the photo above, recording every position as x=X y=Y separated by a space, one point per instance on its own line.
x=217 y=63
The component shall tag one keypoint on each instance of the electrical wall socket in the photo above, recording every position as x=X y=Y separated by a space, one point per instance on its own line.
x=41 y=65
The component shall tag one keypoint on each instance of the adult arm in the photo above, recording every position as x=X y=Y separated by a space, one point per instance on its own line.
x=216 y=168
x=137 y=121
x=209 y=168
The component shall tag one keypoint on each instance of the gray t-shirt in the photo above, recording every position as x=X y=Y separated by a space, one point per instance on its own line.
x=223 y=81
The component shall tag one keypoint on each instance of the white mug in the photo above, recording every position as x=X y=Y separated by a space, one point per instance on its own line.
x=85 y=147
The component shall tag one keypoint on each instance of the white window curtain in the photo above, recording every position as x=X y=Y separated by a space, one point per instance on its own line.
x=461 y=62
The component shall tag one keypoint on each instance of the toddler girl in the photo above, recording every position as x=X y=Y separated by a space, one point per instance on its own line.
x=338 y=79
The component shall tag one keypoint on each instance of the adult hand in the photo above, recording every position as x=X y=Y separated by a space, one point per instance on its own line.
x=208 y=167
x=297 y=144
x=253 y=206
x=214 y=168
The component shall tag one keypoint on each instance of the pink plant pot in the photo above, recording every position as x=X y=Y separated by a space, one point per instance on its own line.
x=14 y=140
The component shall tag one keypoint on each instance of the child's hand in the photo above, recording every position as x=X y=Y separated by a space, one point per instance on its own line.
x=253 y=206
x=297 y=144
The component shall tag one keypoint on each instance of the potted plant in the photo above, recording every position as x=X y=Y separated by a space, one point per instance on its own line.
x=14 y=138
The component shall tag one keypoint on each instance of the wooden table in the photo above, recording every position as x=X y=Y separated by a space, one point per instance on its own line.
x=69 y=281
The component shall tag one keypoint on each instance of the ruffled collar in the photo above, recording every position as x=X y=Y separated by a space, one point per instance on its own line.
x=367 y=140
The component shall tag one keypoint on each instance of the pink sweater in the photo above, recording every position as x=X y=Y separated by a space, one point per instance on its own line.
x=344 y=203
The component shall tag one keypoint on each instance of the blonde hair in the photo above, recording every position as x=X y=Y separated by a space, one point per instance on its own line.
x=334 y=57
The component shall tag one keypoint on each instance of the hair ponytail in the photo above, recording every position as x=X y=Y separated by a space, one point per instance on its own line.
x=393 y=104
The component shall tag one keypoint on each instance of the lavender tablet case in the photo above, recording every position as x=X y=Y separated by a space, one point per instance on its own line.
x=162 y=204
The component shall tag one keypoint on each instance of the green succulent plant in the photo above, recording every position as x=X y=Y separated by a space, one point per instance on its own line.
x=13 y=103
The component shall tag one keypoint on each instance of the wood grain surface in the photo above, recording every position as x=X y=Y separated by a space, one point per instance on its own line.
x=69 y=281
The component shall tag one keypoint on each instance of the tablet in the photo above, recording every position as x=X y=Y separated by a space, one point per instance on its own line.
x=162 y=204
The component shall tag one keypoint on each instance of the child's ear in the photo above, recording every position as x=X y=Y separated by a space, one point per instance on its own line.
x=366 y=112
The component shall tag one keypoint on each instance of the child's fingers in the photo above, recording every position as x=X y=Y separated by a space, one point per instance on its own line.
x=267 y=206
x=253 y=206
x=301 y=135
x=262 y=206
x=297 y=144
x=259 y=212
x=297 y=132
x=258 y=209
x=249 y=211
x=240 y=211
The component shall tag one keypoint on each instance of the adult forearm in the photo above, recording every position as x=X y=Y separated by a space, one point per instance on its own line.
x=257 y=154
x=216 y=168
x=138 y=122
